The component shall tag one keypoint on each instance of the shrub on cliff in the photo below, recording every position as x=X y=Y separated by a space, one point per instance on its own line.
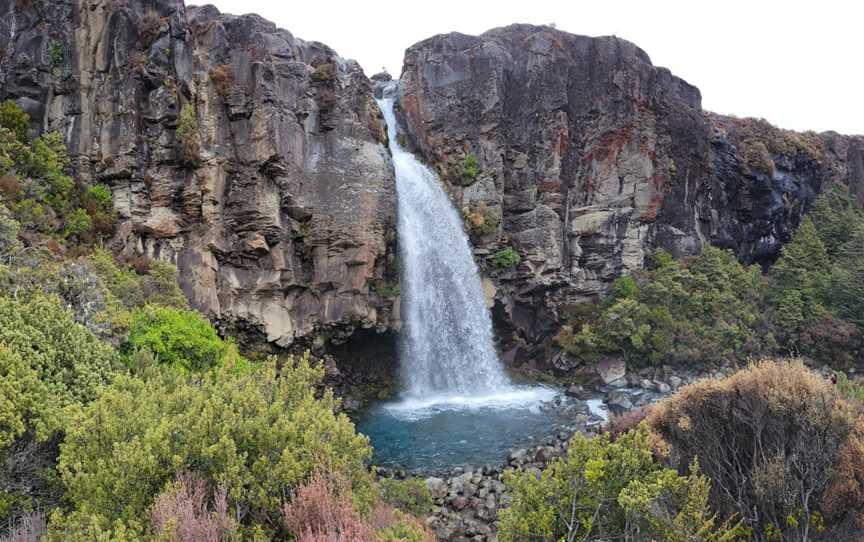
x=768 y=437
x=259 y=433
x=469 y=169
x=506 y=258
x=481 y=220
x=611 y=490
x=188 y=137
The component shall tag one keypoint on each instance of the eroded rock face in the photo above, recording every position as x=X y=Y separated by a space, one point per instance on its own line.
x=590 y=158
x=278 y=209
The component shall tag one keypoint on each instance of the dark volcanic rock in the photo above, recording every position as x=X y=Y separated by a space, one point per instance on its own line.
x=591 y=158
x=284 y=221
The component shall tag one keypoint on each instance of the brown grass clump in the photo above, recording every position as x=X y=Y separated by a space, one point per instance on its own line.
x=755 y=157
x=619 y=424
x=186 y=513
x=29 y=528
x=150 y=27
x=322 y=511
x=223 y=79
x=326 y=72
x=767 y=436
x=9 y=187
x=844 y=497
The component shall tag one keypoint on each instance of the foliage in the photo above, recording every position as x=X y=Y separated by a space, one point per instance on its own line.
x=187 y=512
x=69 y=364
x=223 y=79
x=323 y=511
x=817 y=285
x=768 y=437
x=9 y=229
x=706 y=310
x=611 y=490
x=29 y=528
x=506 y=258
x=56 y=53
x=849 y=389
x=42 y=197
x=187 y=134
x=15 y=120
x=797 y=277
x=261 y=433
x=180 y=338
x=47 y=363
x=412 y=495
x=78 y=224
x=482 y=221
x=469 y=169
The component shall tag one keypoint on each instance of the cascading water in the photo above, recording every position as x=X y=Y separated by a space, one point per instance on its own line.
x=458 y=406
x=447 y=343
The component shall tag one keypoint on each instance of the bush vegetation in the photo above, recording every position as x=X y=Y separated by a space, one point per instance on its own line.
x=778 y=444
x=506 y=258
x=188 y=136
x=35 y=187
x=604 y=490
x=713 y=310
x=481 y=220
x=261 y=433
x=468 y=170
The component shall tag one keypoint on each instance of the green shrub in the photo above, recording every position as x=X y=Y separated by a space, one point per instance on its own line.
x=412 y=495
x=611 y=490
x=15 y=120
x=506 y=258
x=78 y=225
x=56 y=54
x=179 y=338
x=469 y=169
x=260 y=433
x=70 y=361
x=188 y=136
x=9 y=229
x=708 y=310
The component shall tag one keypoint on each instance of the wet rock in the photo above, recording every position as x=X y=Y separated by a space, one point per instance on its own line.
x=612 y=371
x=437 y=487
x=618 y=401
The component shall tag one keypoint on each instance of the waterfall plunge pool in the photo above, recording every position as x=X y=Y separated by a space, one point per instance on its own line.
x=435 y=434
x=459 y=406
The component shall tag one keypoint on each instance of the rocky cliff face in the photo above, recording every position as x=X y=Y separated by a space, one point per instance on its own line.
x=257 y=162
x=277 y=205
x=590 y=158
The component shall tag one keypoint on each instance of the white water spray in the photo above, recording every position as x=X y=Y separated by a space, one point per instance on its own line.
x=447 y=347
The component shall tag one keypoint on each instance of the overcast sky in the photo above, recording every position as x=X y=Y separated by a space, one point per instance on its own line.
x=799 y=64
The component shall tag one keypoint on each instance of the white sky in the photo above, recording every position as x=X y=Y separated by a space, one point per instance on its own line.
x=797 y=63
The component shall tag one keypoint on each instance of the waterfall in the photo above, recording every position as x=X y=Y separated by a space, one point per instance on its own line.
x=446 y=347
